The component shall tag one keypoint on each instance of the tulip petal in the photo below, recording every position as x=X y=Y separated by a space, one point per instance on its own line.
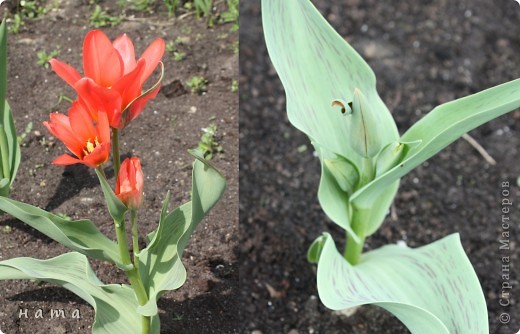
x=81 y=122
x=125 y=47
x=59 y=126
x=152 y=55
x=100 y=99
x=84 y=105
x=103 y=128
x=101 y=61
x=65 y=160
x=138 y=106
x=129 y=87
x=65 y=71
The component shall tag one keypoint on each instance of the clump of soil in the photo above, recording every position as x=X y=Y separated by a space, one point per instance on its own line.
x=169 y=126
x=424 y=53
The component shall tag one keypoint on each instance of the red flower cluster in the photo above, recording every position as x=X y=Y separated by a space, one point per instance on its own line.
x=113 y=79
x=110 y=95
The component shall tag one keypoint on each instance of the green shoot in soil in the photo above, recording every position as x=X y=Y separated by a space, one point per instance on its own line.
x=100 y=18
x=172 y=49
x=234 y=86
x=141 y=5
x=208 y=144
x=172 y=6
x=231 y=15
x=197 y=84
x=44 y=57
x=23 y=135
x=26 y=10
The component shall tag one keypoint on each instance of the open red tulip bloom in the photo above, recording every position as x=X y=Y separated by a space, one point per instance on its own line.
x=130 y=183
x=88 y=142
x=113 y=81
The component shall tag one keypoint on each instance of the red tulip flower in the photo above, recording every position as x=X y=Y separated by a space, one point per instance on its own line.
x=130 y=183
x=113 y=81
x=89 y=142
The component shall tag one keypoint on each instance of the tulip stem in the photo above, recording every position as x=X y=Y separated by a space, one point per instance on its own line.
x=354 y=249
x=360 y=218
x=133 y=274
x=115 y=151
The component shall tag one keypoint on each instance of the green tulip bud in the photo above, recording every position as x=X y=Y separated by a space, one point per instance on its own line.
x=389 y=157
x=344 y=172
x=392 y=155
x=365 y=123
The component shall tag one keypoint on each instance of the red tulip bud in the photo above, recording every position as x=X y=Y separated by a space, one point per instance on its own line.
x=130 y=183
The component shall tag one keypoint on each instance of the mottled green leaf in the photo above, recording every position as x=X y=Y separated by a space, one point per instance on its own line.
x=115 y=305
x=432 y=289
x=442 y=126
x=160 y=263
x=316 y=67
x=79 y=235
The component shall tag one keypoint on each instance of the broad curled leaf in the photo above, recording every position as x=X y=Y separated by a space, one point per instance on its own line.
x=432 y=289
x=160 y=263
x=317 y=66
x=114 y=304
x=79 y=235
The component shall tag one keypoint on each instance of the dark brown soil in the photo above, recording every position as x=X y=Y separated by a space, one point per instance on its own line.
x=170 y=125
x=424 y=53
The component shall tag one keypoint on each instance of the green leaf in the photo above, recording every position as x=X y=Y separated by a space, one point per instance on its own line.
x=333 y=200
x=316 y=67
x=79 y=235
x=3 y=67
x=4 y=187
x=116 y=208
x=314 y=252
x=114 y=304
x=442 y=126
x=431 y=289
x=160 y=263
x=9 y=147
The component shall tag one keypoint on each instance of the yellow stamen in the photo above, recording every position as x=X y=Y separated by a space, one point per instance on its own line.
x=91 y=146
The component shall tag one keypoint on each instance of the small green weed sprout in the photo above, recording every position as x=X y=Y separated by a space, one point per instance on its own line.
x=208 y=144
x=26 y=10
x=141 y=5
x=197 y=84
x=234 y=86
x=231 y=15
x=20 y=138
x=171 y=48
x=172 y=6
x=44 y=57
x=100 y=18
x=16 y=23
